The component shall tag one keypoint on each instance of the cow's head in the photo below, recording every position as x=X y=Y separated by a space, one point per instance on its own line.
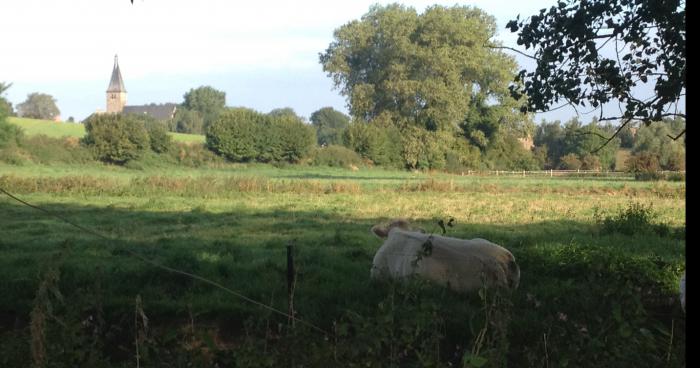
x=383 y=231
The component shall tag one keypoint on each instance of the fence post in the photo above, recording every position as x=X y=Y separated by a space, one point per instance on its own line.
x=551 y=172
x=291 y=281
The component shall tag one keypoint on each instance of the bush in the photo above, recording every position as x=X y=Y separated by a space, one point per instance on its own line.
x=116 y=138
x=10 y=134
x=193 y=155
x=160 y=140
x=233 y=134
x=335 y=156
x=634 y=220
x=243 y=135
x=47 y=150
x=570 y=162
x=644 y=165
x=378 y=142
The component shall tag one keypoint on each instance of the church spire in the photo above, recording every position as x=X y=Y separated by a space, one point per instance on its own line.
x=116 y=84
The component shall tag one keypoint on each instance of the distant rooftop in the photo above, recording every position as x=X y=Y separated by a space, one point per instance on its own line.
x=160 y=112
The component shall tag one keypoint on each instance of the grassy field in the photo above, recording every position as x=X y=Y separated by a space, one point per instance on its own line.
x=63 y=129
x=598 y=287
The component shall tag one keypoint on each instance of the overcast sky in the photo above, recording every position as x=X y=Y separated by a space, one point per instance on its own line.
x=263 y=54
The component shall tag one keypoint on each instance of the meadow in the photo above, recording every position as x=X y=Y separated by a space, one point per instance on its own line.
x=65 y=129
x=600 y=261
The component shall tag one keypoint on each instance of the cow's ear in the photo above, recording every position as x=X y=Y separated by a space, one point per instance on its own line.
x=380 y=231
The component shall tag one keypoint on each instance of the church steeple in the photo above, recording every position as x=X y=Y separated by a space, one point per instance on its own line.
x=116 y=84
x=116 y=93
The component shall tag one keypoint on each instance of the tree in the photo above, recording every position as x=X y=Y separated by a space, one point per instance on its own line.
x=330 y=125
x=285 y=111
x=116 y=138
x=421 y=69
x=233 y=135
x=652 y=140
x=38 y=106
x=646 y=40
x=208 y=101
x=160 y=140
x=187 y=121
x=5 y=105
x=10 y=134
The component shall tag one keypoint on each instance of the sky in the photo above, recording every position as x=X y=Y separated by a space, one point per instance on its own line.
x=262 y=54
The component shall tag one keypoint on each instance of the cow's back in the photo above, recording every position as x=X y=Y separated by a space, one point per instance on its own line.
x=461 y=263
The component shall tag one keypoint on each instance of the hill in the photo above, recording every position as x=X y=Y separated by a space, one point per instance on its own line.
x=64 y=129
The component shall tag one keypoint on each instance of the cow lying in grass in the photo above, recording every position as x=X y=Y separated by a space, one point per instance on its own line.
x=463 y=265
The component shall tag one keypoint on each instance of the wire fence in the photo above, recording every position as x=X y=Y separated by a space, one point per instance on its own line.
x=562 y=173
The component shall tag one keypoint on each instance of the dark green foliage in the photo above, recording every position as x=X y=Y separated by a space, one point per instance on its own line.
x=635 y=220
x=234 y=134
x=575 y=142
x=116 y=138
x=506 y=152
x=654 y=140
x=330 y=125
x=295 y=138
x=206 y=100
x=38 y=106
x=335 y=156
x=420 y=69
x=567 y=39
x=187 y=121
x=380 y=144
x=160 y=140
x=243 y=135
x=10 y=134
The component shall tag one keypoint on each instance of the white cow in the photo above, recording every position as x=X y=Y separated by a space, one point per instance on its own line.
x=463 y=265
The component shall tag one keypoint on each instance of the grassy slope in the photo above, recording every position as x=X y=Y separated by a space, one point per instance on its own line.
x=63 y=129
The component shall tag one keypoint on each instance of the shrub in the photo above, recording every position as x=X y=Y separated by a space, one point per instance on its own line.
x=116 y=138
x=233 y=134
x=242 y=135
x=296 y=138
x=47 y=150
x=335 y=156
x=193 y=155
x=10 y=134
x=634 y=220
x=160 y=140
x=644 y=165
x=570 y=162
x=590 y=162
x=381 y=144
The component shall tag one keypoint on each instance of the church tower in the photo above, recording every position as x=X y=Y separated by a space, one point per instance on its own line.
x=116 y=93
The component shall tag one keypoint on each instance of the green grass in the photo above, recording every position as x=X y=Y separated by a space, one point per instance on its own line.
x=601 y=299
x=63 y=129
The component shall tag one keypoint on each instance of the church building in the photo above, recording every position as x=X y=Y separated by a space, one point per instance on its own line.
x=116 y=99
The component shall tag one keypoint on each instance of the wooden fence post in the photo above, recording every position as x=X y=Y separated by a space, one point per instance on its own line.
x=291 y=281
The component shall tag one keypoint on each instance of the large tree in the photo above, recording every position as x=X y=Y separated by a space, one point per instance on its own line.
x=421 y=69
x=592 y=53
x=38 y=106
x=5 y=105
x=206 y=100
x=330 y=125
